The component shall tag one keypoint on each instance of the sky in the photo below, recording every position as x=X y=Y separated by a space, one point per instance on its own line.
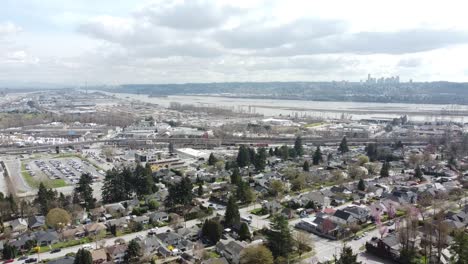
x=111 y=42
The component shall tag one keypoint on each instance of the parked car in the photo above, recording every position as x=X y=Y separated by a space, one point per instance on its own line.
x=30 y=260
x=55 y=250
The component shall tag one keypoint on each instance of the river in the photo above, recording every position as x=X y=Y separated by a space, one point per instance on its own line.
x=318 y=109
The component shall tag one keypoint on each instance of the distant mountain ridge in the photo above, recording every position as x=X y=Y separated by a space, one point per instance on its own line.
x=427 y=92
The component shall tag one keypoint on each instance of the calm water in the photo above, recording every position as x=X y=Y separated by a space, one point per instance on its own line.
x=333 y=110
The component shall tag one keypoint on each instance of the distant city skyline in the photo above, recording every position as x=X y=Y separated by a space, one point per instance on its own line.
x=65 y=42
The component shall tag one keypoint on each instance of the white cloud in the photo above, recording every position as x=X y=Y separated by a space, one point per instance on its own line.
x=8 y=28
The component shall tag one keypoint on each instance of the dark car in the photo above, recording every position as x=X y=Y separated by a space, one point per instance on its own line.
x=23 y=258
x=30 y=260
x=55 y=250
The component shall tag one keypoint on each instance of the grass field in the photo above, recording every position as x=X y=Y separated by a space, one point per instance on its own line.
x=56 y=183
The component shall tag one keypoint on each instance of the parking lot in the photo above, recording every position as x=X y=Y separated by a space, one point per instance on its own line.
x=68 y=169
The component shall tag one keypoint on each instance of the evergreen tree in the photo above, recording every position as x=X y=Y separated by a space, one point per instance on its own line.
x=44 y=198
x=133 y=252
x=306 y=166
x=298 y=146
x=317 y=157
x=343 y=148
x=212 y=230
x=143 y=180
x=9 y=252
x=418 y=173
x=115 y=187
x=252 y=154
x=235 y=176
x=243 y=158
x=84 y=191
x=385 y=171
x=271 y=152
x=232 y=215
x=200 y=189
x=244 y=192
x=180 y=193
x=371 y=151
x=83 y=256
x=279 y=237
x=277 y=152
x=171 y=147
x=212 y=159
x=244 y=232
x=347 y=256
x=260 y=159
x=361 y=185
x=459 y=248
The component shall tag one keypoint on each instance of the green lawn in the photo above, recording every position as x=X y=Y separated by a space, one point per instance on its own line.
x=55 y=183
x=65 y=244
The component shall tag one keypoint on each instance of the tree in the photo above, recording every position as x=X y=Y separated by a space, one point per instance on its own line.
x=244 y=232
x=180 y=193
x=83 y=256
x=303 y=242
x=142 y=182
x=44 y=198
x=9 y=251
x=372 y=152
x=418 y=173
x=279 y=237
x=317 y=157
x=260 y=159
x=298 y=148
x=298 y=183
x=459 y=248
x=385 y=171
x=284 y=152
x=212 y=159
x=243 y=156
x=235 y=176
x=200 y=189
x=212 y=230
x=84 y=192
x=347 y=256
x=343 y=148
x=255 y=255
x=361 y=185
x=116 y=187
x=58 y=218
x=363 y=159
x=133 y=252
x=244 y=192
x=232 y=215
x=306 y=166
x=171 y=147
x=276 y=188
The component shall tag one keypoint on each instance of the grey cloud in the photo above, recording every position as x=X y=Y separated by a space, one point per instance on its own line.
x=401 y=42
x=188 y=15
x=261 y=36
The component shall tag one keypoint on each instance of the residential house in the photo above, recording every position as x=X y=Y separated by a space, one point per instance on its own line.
x=47 y=238
x=116 y=253
x=141 y=219
x=231 y=249
x=362 y=214
x=159 y=217
x=221 y=260
x=99 y=256
x=272 y=207
x=343 y=217
x=73 y=233
x=115 y=208
x=36 y=222
x=63 y=260
x=94 y=229
x=19 y=225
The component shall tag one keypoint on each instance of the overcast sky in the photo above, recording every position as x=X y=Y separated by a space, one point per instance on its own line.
x=139 y=41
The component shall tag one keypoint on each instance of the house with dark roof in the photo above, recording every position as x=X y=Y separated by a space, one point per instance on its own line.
x=344 y=218
x=46 y=238
x=36 y=222
x=231 y=249
x=362 y=214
